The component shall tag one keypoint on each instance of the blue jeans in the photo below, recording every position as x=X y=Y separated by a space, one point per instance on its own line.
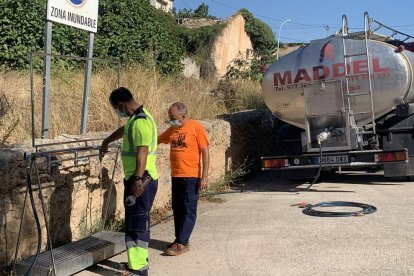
x=184 y=204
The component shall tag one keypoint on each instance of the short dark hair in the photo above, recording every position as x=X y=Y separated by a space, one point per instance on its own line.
x=120 y=94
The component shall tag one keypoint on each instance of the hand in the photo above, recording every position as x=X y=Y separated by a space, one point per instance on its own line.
x=103 y=149
x=203 y=183
x=137 y=188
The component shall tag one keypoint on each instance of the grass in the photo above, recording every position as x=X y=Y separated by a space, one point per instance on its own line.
x=92 y=226
x=156 y=92
x=220 y=185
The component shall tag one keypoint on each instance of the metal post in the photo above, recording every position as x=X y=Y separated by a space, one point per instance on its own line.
x=46 y=80
x=87 y=84
x=119 y=85
x=278 y=39
x=32 y=99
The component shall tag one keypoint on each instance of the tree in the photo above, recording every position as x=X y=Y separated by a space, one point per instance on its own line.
x=201 y=11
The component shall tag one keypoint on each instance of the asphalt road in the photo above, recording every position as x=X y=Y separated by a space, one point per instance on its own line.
x=259 y=232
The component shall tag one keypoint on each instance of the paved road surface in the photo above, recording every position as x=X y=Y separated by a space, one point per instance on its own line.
x=258 y=232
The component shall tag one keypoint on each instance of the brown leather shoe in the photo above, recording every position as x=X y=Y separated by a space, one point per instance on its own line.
x=177 y=249
x=171 y=245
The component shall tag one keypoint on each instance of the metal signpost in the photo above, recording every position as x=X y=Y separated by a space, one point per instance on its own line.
x=82 y=14
x=73 y=257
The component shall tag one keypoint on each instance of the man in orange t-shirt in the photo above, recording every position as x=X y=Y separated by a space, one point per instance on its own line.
x=190 y=161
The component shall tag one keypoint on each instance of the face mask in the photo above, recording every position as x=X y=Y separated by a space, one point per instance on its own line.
x=121 y=114
x=175 y=123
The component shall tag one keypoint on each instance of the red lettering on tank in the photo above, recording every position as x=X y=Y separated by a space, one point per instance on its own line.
x=376 y=66
x=336 y=67
x=360 y=66
x=317 y=70
x=322 y=72
x=279 y=80
x=302 y=75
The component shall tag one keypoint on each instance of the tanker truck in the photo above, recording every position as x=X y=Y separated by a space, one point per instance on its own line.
x=348 y=101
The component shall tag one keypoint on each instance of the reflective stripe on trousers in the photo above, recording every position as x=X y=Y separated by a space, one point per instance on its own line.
x=137 y=232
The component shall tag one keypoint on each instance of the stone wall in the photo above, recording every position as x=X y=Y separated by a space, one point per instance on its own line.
x=254 y=134
x=231 y=44
x=191 y=69
x=73 y=198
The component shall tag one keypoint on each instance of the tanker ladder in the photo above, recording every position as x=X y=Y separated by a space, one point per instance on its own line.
x=352 y=97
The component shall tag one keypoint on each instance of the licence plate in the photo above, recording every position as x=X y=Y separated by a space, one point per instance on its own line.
x=333 y=159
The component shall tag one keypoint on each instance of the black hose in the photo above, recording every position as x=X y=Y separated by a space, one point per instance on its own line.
x=39 y=230
x=365 y=209
x=320 y=167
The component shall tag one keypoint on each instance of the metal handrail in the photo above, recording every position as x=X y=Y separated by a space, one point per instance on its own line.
x=367 y=27
x=395 y=32
x=367 y=32
x=344 y=25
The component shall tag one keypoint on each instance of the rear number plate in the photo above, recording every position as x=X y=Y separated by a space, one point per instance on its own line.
x=333 y=159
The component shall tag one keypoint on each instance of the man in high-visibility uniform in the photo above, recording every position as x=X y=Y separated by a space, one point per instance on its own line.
x=139 y=159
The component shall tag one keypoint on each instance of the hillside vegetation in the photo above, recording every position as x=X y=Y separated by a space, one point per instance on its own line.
x=129 y=30
x=150 y=46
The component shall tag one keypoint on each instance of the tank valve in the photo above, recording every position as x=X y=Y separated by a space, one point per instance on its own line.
x=400 y=48
x=327 y=133
x=323 y=136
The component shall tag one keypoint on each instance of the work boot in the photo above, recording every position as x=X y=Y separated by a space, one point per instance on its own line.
x=177 y=249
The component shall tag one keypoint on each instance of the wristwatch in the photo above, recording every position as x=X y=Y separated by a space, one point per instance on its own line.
x=137 y=177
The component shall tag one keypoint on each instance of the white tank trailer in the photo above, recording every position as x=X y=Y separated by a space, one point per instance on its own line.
x=349 y=96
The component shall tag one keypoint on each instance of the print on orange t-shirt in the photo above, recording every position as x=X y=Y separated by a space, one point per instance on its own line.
x=186 y=143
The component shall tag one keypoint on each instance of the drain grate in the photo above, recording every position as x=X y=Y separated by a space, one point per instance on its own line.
x=76 y=256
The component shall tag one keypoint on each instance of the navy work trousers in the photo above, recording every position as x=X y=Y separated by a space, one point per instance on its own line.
x=184 y=205
x=137 y=222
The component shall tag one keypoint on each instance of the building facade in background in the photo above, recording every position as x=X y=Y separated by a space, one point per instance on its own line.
x=165 y=5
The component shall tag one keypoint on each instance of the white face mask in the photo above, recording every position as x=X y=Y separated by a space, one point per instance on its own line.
x=121 y=114
x=175 y=123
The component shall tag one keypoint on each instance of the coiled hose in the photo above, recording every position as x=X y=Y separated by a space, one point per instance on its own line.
x=365 y=209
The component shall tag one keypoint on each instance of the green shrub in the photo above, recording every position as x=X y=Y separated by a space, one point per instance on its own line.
x=264 y=42
x=128 y=30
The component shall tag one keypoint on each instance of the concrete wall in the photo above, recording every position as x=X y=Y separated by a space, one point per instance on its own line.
x=72 y=193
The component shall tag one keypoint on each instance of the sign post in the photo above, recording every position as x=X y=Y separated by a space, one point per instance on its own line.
x=87 y=85
x=82 y=14
x=46 y=80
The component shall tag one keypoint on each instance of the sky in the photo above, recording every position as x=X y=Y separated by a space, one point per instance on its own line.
x=314 y=19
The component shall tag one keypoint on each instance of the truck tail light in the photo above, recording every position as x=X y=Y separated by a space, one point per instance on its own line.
x=391 y=156
x=275 y=163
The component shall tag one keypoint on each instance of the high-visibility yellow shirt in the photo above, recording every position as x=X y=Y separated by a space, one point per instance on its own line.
x=140 y=130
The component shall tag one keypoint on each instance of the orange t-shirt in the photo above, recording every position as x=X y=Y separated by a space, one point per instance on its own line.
x=186 y=143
